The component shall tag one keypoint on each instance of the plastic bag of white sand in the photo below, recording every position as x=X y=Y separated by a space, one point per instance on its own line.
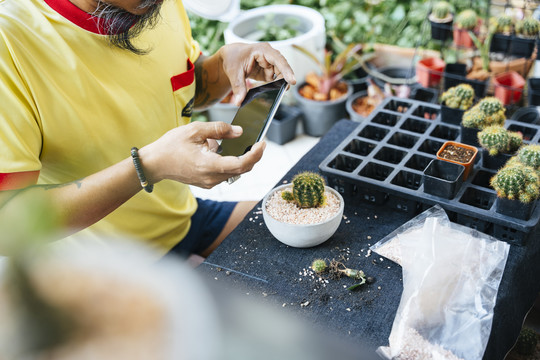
x=451 y=275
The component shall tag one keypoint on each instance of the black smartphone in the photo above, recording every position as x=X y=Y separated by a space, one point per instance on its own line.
x=254 y=116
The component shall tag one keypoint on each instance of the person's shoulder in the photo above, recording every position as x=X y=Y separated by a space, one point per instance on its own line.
x=17 y=16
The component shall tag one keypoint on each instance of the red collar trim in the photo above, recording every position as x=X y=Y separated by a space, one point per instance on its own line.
x=77 y=16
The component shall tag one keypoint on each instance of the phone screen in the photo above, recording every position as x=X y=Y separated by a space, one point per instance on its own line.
x=254 y=116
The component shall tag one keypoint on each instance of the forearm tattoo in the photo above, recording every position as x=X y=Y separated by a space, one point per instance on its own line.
x=207 y=89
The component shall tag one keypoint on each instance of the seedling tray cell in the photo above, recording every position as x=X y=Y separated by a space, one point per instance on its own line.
x=384 y=159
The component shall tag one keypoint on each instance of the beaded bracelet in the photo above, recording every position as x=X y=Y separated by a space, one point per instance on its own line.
x=138 y=168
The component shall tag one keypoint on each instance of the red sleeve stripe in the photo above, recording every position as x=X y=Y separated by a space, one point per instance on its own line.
x=18 y=180
x=185 y=78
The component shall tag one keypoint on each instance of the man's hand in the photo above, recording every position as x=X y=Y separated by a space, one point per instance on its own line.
x=187 y=154
x=256 y=61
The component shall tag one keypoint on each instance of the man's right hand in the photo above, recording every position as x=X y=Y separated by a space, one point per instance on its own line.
x=188 y=154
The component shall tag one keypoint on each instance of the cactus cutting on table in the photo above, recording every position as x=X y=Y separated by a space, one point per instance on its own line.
x=459 y=97
x=526 y=341
x=307 y=191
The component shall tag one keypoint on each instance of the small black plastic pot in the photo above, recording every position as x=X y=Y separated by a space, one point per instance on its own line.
x=441 y=31
x=528 y=114
x=514 y=208
x=455 y=74
x=425 y=95
x=533 y=91
x=283 y=126
x=469 y=136
x=450 y=115
x=443 y=178
x=494 y=162
x=500 y=43
x=521 y=47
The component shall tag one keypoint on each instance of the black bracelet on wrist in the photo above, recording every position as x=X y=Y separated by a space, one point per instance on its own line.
x=138 y=168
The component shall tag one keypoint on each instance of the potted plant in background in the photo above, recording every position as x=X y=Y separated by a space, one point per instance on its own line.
x=526 y=32
x=508 y=87
x=441 y=18
x=459 y=153
x=488 y=111
x=466 y=21
x=429 y=70
x=304 y=214
x=502 y=27
x=517 y=187
x=322 y=96
x=498 y=145
x=455 y=101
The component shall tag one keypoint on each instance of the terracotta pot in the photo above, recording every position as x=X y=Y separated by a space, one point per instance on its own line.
x=468 y=165
x=429 y=71
x=508 y=87
x=462 y=38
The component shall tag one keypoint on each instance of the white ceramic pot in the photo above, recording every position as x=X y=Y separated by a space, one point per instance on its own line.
x=311 y=28
x=302 y=235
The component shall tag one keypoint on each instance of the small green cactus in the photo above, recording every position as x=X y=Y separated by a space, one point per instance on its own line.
x=441 y=9
x=528 y=27
x=516 y=181
x=319 y=266
x=459 y=97
x=504 y=24
x=494 y=110
x=467 y=19
x=497 y=140
x=530 y=155
x=473 y=118
x=308 y=190
x=526 y=342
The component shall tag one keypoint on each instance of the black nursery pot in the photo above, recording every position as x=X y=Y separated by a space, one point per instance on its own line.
x=441 y=31
x=283 y=127
x=522 y=47
x=450 y=115
x=533 y=91
x=455 y=74
x=469 y=136
x=443 y=178
x=500 y=43
x=514 y=208
x=494 y=162
x=425 y=95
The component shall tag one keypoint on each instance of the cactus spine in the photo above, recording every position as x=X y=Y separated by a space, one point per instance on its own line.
x=516 y=181
x=319 y=266
x=467 y=19
x=497 y=140
x=441 y=9
x=530 y=155
x=459 y=97
x=308 y=190
x=527 y=27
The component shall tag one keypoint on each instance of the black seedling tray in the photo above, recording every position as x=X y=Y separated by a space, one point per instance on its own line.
x=383 y=160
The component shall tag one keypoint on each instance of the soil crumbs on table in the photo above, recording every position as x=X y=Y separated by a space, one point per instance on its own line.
x=456 y=153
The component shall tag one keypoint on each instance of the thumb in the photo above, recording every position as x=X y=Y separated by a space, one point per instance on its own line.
x=214 y=130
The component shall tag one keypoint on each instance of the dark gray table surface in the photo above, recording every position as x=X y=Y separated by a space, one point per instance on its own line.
x=251 y=258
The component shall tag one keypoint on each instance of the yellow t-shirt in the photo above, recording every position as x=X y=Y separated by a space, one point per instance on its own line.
x=72 y=105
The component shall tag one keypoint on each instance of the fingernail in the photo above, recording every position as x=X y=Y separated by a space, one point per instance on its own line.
x=237 y=130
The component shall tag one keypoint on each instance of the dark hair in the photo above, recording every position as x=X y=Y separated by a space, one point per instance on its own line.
x=121 y=26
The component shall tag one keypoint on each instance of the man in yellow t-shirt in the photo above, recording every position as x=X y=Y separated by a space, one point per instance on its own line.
x=82 y=82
